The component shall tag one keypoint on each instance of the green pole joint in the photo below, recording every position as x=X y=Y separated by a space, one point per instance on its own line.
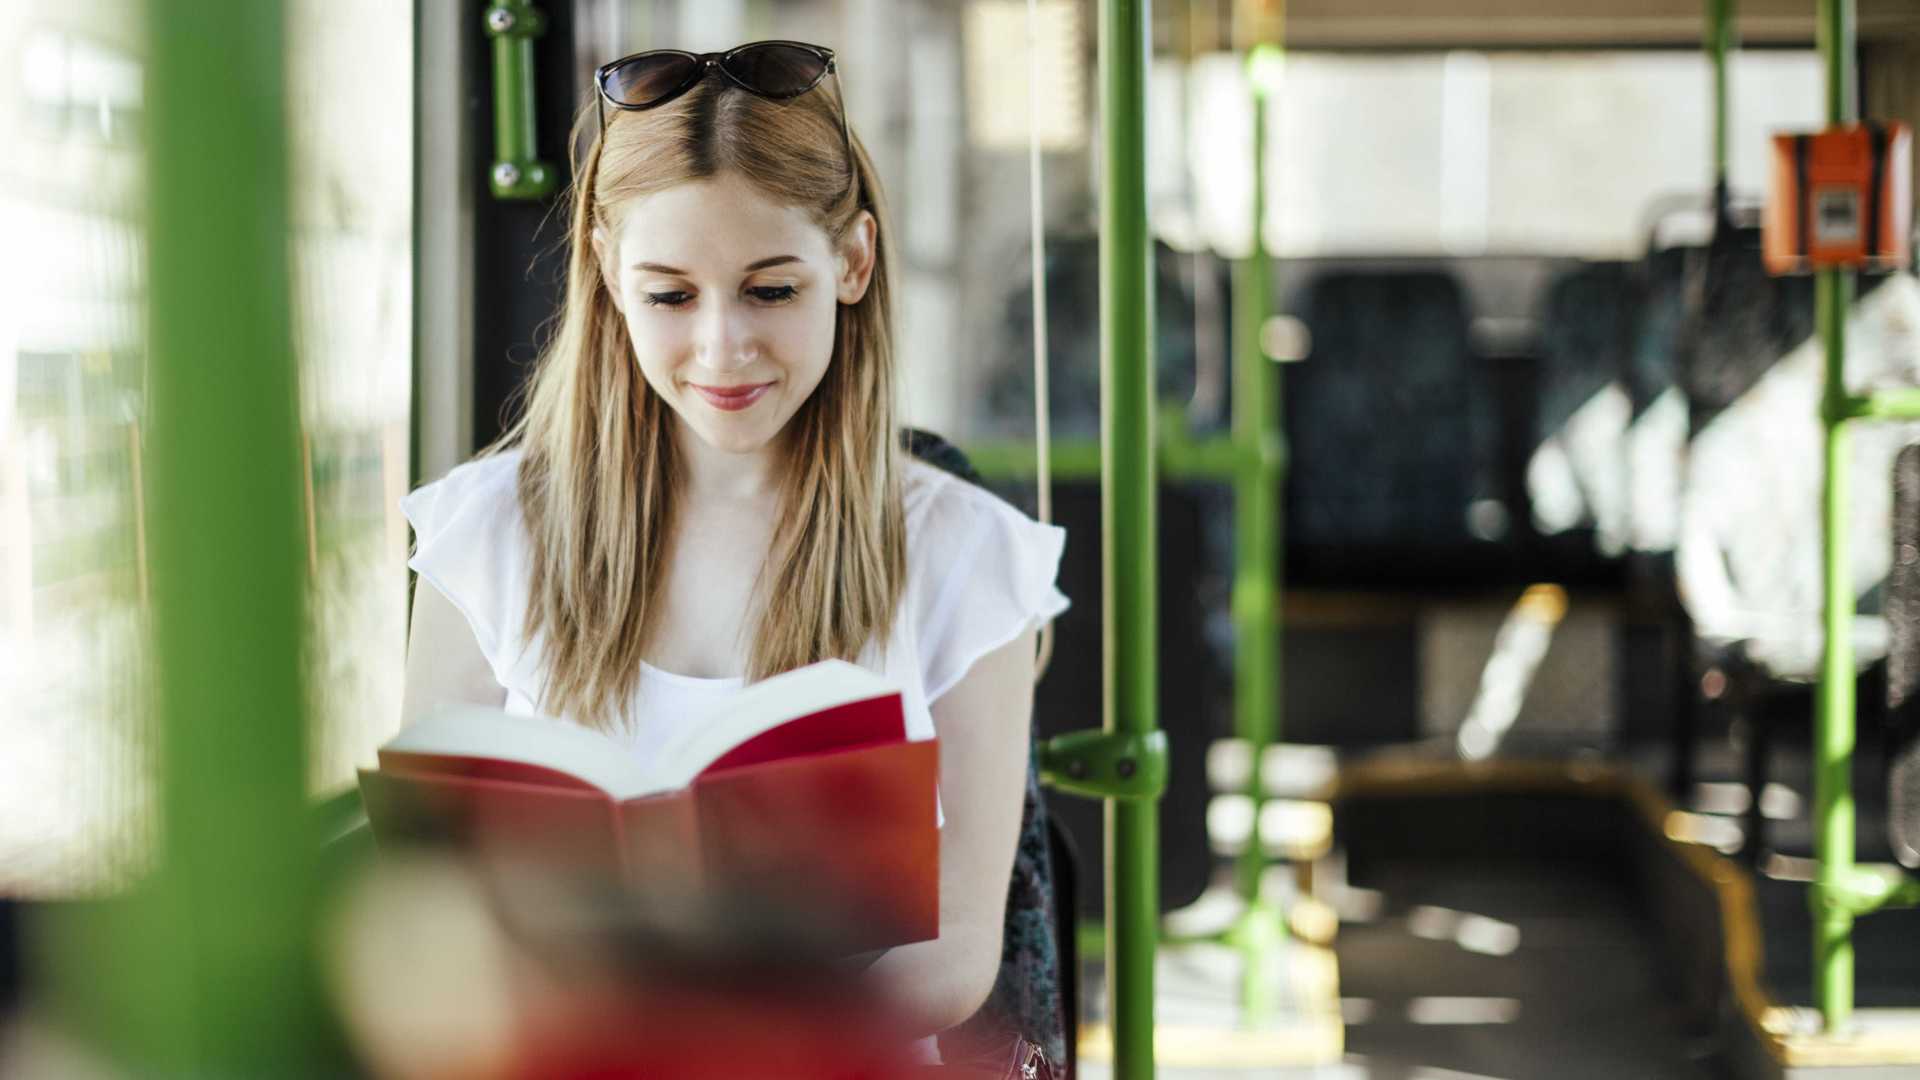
x=1901 y=404
x=1106 y=765
x=1864 y=890
x=517 y=173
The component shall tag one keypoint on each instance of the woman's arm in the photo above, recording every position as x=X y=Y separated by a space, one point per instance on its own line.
x=444 y=662
x=983 y=725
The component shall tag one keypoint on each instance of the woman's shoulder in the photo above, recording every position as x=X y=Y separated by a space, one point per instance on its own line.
x=470 y=542
x=487 y=485
x=932 y=496
x=979 y=571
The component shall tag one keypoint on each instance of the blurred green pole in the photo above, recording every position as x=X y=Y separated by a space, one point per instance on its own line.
x=206 y=969
x=1834 y=718
x=1257 y=480
x=1720 y=52
x=1128 y=533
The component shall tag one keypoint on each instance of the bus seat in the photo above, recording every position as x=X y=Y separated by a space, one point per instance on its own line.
x=1748 y=560
x=1903 y=661
x=1392 y=440
x=1576 y=475
x=1073 y=337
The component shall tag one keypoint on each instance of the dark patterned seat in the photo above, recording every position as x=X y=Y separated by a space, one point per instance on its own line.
x=1391 y=441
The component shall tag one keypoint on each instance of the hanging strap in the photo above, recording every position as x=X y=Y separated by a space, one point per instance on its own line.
x=1042 y=429
x=1803 y=203
x=1876 y=185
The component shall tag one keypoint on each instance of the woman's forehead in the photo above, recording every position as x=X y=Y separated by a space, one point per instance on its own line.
x=723 y=224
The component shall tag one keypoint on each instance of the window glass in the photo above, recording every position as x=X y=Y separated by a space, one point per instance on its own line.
x=1467 y=153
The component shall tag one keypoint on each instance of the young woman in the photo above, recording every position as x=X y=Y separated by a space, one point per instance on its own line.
x=707 y=485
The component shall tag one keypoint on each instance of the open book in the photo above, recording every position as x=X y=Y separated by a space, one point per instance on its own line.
x=803 y=790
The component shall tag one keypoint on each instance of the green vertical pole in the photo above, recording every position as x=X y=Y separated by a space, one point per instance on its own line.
x=1128 y=515
x=205 y=970
x=1257 y=478
x=1719 y=53
x=1834 y=719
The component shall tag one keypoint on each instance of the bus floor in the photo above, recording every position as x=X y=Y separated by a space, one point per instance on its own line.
x=1506 y=968
x=1476 y=969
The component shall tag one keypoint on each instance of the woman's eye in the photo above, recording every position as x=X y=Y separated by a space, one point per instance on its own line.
x=773 y=294
x=667 y=299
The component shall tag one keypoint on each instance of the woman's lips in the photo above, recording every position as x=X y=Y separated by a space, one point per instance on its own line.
x=731 y=398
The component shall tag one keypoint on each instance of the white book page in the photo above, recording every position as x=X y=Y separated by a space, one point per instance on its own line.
x=762 y=707
x=479 y=732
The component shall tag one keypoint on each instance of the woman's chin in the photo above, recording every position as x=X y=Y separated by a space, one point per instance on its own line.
x=733 y=434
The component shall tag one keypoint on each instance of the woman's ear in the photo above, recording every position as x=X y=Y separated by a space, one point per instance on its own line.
x=604 y=257
x=857 y=255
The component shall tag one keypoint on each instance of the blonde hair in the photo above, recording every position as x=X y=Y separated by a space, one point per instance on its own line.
x=599 y=481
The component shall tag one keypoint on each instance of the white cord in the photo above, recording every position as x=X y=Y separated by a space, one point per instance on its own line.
x=1042 y=430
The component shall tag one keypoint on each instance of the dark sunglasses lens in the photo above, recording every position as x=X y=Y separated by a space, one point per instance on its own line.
x=647 y=78
x=777 y=70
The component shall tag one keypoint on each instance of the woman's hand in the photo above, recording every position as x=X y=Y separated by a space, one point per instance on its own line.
x=983 y=726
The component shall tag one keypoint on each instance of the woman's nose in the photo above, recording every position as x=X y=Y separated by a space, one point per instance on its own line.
x=725 y=340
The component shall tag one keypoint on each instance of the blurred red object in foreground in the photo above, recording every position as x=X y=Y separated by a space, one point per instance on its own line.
x=713 y=1036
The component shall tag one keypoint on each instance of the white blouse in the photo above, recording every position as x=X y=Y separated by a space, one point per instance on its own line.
x=979 y=573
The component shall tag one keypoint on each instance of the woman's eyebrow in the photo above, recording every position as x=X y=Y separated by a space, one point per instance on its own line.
x=762 y=264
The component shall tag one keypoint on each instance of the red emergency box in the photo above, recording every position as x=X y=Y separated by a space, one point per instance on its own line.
x=1841 y=199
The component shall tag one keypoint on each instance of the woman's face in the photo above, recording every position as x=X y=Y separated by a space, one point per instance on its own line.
x=730 y=300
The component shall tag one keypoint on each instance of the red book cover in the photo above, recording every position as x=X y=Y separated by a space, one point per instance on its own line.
x=806 y=796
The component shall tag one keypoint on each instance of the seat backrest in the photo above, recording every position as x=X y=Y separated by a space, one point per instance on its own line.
x=1030 y=993
x=1657 y=432
x=1389 y=442
x=1576 y=475
x=1738 y=322
x=1749 y=555
x=1073 y=334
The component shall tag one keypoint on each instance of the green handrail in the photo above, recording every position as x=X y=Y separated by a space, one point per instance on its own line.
x=517 y=172
x=1128 y=534
x=1253 y=459
x=1176 y=455
x=1834 y=718
x=1842 y=891
x=205 y=968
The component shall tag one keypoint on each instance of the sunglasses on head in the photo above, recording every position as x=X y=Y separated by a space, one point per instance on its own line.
x=779 y=70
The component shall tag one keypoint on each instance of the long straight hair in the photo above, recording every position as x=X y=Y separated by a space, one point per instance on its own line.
x=599 y=482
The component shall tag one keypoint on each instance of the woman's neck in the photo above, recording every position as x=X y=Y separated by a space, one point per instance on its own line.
x=714 y=475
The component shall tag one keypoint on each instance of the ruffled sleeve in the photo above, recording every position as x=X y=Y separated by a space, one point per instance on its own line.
x=980 y=574
x=471 y=544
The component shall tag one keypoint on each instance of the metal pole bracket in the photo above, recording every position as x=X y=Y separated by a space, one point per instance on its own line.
x=516 y=173
x=1106 y=764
